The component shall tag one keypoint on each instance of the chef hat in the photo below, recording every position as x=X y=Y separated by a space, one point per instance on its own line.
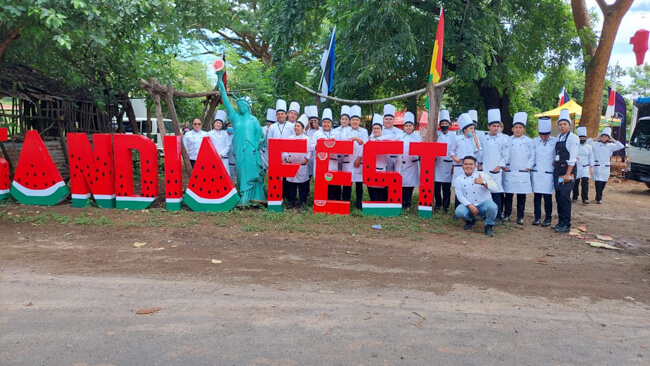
x=581 y=131
x=311 y=111
x=464 y=121
x=327 y=115
x=521 y=118
x=473 y=114
x=494 y=116
x=607 y=131
x=355 y=111
x=544 y=125
x=270 y=115
x=295 y=106
x=377 y=119
x=303 y=120
x=444 y=116
x=281 y=105
x=389 y=110
x=409 y=118
x=564 y=116
x=345 y=110
x=221 y=116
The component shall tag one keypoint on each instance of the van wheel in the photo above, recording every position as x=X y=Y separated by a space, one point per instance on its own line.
x=647 y=185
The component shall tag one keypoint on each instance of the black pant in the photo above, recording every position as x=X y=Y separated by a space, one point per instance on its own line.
x=302 y=189
x=407 y=195
x=548 y=205
x=584 y=185
x=563 y=202
x=334 y=193
x=378 y=194
x=600 y=187
x=346 y=193
x=285 y=190
x=498 y=200
x=192 y=162
x=521 y=204
x=358 y=190
x=445 y=199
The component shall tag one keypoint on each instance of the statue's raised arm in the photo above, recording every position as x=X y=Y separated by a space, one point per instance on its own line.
x=224 y=97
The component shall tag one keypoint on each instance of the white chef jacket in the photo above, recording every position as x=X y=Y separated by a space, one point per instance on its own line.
x=410 y=166
x=517 y=179
x=318 y=135
x=542 y=172
x=348 y=160
x=465 y=146
x=470 y=193
x=584 y=161
x=495 y=153
x=192 y=141
x=444 y=164
x=222 y=143
x=602 y=153
x=297 y=158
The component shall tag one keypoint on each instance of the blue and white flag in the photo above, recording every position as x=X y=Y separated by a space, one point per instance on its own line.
x=327 y=64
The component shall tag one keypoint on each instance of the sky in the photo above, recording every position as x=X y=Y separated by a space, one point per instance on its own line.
x=638 y=17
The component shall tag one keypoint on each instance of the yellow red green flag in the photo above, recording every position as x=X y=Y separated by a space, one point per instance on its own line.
x=436 y=58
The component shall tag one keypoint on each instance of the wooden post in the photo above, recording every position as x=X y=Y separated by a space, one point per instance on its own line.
x=169 y=99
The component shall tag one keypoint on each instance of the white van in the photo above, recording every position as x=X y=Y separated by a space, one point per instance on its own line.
x=155 y=133
x=638 y=148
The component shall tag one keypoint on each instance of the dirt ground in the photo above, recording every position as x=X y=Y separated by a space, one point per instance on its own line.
x=293 y=250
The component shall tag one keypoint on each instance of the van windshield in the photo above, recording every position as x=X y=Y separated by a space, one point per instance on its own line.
x=641 y=135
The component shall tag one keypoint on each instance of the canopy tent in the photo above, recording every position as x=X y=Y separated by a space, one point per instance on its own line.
x=575 y=111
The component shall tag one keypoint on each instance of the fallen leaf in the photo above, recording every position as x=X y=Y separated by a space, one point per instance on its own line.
x=604 y=237
x=368 y=318
x=629 y=298
x=575 y=233
x=216 y=261
x=582 y=228
x=29 y=304
x=110 y=332
x=148 y=311
x=550 y=255
x=541 y=261
x=352 y=253
x=139 y=245
x=597 y=244
x=163 y=248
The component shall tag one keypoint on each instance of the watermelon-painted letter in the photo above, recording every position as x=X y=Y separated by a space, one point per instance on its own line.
x=278 y=169
x=428 y=152
x=91 y=171
x=4 y=170
x=324 y=177
x=374 y=178
x=173 y=174
x=124 y=146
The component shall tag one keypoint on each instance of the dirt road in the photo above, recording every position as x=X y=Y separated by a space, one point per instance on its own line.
x=290 y=291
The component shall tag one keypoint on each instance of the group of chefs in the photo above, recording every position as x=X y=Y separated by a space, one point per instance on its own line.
x=500 y=166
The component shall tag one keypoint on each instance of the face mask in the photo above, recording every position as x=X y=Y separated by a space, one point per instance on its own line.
x=582 y=142
x=444 y=128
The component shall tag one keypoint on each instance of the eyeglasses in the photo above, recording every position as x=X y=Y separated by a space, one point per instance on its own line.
x=197 y=124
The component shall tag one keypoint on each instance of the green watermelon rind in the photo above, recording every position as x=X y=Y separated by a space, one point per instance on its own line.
x=200 y=204
x=425 y=211
x=275 y=206
x=102 y=200
x=381 y=209
x=40 y=197
x=4 y=194
x=173 y=204
x=133 y=203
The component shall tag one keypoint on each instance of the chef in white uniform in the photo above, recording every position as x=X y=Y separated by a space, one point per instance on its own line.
x=493 y=157
x=271 y=118
x=359 y=136
x=467 y=144
x=220 y=138
x=473 y=190
x=326 y=133
x=410 y=167
x=300 y=181
x=344 y=120
x=604 y=147
x=542 y=173
x=293 y=112
x=312 y=113
x=584 y=167
x=444 y=164
x=193 y=139
x=390 y=133
x=516 y=178
x=282 y=129
x=378 y=193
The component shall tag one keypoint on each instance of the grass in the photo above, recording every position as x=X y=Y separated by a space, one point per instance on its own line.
x=84 y=219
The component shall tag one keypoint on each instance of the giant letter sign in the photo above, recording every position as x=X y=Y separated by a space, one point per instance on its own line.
x=428 y=152
x=373 y=178
x=173 y=174
x=4 y=170
x=324 y=178
x=37 y=181
x=124 y=145
x=91 y=171
x=210 y=187
x=278 y=169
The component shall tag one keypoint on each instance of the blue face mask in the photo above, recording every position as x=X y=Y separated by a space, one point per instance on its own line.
x=230 y=130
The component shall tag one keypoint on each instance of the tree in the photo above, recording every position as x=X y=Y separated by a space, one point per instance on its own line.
x=596 y=53
x=640 y=80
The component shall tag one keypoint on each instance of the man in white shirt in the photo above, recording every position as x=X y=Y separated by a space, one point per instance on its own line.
x=193 y=139
x=474 y=192
x=389 y=132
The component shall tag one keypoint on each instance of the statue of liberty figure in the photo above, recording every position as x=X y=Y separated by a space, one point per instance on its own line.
x=247 y=141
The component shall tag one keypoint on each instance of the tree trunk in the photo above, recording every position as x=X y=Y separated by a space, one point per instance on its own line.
x=597 y=54
x=492 y=99
x=128 y=108
x=4 y=45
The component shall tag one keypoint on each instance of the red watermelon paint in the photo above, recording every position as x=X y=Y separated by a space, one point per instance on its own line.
x=279 y=169
x=173 y=174
x=124 y=146
x=91 y=171
x=4 y=171
x=210 y=187
x=427 y=152
x=37 y=180
x=392 y=180
x=323 y=178
x=218 y=65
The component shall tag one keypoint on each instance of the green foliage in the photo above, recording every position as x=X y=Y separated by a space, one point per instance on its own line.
x=640 y=80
